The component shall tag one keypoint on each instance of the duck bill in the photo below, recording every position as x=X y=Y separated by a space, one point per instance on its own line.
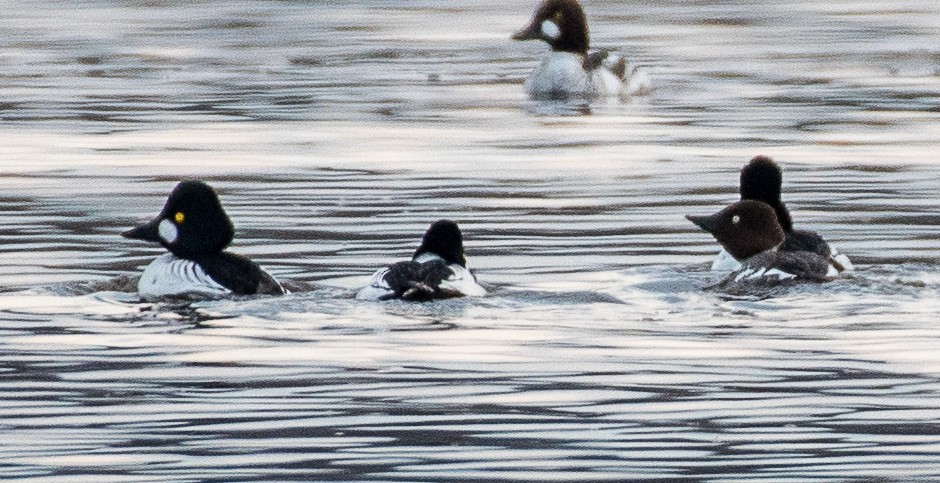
x=707 y=223
x=532 y=32
x=147 y=232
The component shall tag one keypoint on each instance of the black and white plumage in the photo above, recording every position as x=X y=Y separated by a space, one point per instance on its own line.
x=196 y=230
x=571 y=70
x=762 y=180
x=749 y=231
x=437 y=270
x=775 y=265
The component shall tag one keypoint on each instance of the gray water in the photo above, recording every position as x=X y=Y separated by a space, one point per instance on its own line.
x=336 y=132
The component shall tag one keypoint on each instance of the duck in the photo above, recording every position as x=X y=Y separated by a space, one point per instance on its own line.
x=437 y=270
x=195 y=230
x=751 y=233
x=762 y=180
x=572 y=70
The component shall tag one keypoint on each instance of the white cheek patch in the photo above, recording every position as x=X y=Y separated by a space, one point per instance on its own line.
x=550 y=30
x=167 y=231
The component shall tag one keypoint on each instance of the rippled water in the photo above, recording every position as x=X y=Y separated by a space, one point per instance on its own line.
x=337 y=131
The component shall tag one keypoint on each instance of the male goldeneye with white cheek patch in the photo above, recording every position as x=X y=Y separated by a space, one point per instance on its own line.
x=570 y=70
x=437 y=270
x=761 y=180
x=195 y=229
x=750 y=232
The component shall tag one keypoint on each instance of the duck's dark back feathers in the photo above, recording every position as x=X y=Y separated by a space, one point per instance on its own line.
x=410 y=280
x=239 y=274
x=805 y=241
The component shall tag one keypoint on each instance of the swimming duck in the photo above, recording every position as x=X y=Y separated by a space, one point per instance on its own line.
x=438 y=269
x=571 y=70
x=751 y=233
x=196 y=230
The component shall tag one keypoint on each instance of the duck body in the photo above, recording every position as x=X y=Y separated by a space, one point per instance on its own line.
x=214 y=276
x=776 y=266
x=566 y=75
x=436 y=271
x=427 y=277
x=794 y=241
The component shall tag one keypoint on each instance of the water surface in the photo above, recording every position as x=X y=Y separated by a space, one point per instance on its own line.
x=336 y=132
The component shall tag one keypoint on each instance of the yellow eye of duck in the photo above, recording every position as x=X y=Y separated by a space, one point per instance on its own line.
x=179 y=217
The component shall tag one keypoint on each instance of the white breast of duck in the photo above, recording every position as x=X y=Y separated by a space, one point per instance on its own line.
x=169 y=276
x=724 y=262
x=563 y=75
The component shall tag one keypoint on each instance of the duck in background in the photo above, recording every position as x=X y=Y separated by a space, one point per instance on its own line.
x=571 y=70
x=750 y=232
x=761 y=180
x=195 y=229
x=437 y=270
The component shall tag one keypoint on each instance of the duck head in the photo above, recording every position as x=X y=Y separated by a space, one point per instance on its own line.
x=192 y=223
x=761 y=180
x=744 y=229
x=560 y=23
x=444 y=239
